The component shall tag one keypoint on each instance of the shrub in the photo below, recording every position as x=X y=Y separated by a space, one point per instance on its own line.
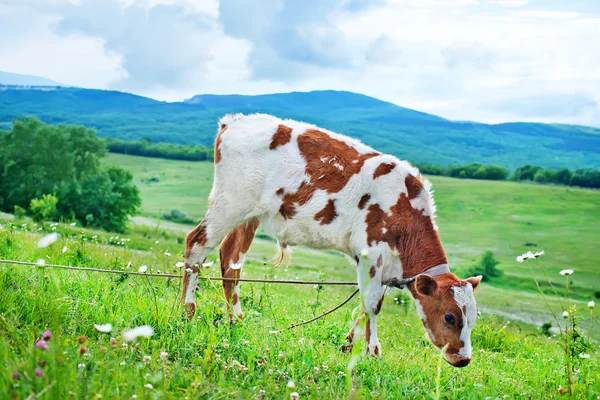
x=487 y=267
x=43 y=209
x=19 y=212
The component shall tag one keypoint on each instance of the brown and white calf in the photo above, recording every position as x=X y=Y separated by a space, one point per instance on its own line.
x=308 y=186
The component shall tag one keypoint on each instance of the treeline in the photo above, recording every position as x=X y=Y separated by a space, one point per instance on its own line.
x=55 y=172
x=584 y=177
x=146 y=148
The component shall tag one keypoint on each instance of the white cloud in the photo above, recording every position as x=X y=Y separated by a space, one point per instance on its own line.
x=483 y=60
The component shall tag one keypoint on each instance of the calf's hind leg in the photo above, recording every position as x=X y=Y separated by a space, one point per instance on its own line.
x=232 y=255
x=200 y=242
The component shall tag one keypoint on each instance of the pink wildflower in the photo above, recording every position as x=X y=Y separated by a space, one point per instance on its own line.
x=39 y=372
x=41 y=344
x=47 y=335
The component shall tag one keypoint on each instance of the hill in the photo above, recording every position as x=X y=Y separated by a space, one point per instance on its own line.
x=8 y=78
x=409 y=134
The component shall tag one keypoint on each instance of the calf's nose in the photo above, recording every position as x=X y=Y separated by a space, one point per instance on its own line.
x=462 y=363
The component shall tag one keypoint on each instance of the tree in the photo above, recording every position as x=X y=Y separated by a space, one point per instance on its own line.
x=525 y=173
x=38 y=159
x=487 y=267
x=563 y=176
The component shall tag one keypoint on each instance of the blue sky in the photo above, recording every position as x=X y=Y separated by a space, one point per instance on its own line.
x=483 y=60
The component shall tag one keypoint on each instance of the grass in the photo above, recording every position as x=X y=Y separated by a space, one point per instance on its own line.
x=206 y=357
x=473 y=215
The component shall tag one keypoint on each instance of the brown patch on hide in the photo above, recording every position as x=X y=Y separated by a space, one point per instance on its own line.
x=330 y=163
x=196 y=236
x=300 y=198
x=408 y=232
x=327 y=214
x=217 y=156
x=383 y=169
x=379 y=304
x=236 y=243
x=372 y=271
x=280 y=192
x=282 y=136
x=414 y=186
x=363 y=201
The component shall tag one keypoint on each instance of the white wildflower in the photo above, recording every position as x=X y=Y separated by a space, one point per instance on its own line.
x=134 y=396
x=273 y=332
x=41 y=261
x=565 y=314
x=147 y=358
x=567 y=272
x=591 y=304
x=584 y=355
x=143 y=269
x=291 y=384
x=82 y=365
x=148 y=386
x=527 y=256
x=73 y=223
x=539 y=254
x=65 y=249
x=143 y=331
x=294 y=396
x=47 y=240
x=167 y=253
x=106 y=328
x=180 y=264
x=208 y=264
x=164 y=355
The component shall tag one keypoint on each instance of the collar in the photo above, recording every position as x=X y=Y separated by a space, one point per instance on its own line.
x=433 y=271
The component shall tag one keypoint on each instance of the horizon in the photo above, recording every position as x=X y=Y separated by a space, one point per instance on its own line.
x=311 y=91
x=492 y=61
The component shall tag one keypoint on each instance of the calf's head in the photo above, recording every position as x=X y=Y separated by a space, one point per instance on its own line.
x=448 y=310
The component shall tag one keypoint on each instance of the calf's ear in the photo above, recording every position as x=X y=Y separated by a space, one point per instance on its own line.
x=425 y=285
x=474 y=281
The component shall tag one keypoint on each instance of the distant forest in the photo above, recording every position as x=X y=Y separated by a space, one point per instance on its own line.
x=583 y=177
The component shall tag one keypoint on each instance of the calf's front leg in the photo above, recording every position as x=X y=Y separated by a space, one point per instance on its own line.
x=372 y=291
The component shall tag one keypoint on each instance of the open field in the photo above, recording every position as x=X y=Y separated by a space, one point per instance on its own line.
x=208 y=359
x=473 y=215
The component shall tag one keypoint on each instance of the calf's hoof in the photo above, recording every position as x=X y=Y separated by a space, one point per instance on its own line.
x=190 y=310
x=374 y=349
x=347 y=348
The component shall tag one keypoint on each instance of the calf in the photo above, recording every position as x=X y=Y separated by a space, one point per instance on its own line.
x=308 y=186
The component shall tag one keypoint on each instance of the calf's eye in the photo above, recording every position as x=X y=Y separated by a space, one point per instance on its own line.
x=449 y=319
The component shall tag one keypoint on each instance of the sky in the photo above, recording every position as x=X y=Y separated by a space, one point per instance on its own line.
x=481 y=60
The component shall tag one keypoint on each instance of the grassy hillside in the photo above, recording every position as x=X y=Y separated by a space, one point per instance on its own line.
x=206 y=358
x=474 y=216
x=406 y=133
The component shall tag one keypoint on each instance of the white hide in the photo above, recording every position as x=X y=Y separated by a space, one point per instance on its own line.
x=466 y=301
x=249 y=175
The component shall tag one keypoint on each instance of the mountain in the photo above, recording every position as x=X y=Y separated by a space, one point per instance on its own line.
x=409 y=134
x=8 y=78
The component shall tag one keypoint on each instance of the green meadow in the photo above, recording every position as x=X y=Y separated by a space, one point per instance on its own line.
x=473 y=216
x=260 y=357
